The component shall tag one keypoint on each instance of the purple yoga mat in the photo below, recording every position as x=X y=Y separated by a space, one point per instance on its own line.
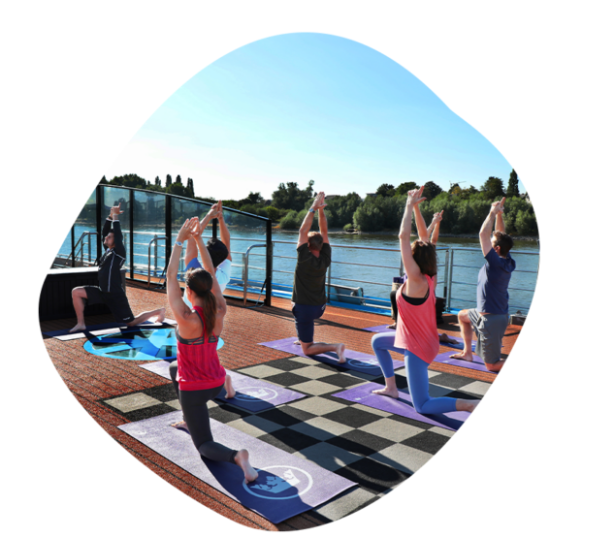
x=360 y=362
x=384 y=328
x=251 y=394
x=476 y=364
x=403 y=406
x=286 y=486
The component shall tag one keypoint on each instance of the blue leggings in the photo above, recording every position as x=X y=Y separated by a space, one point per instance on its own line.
x=416 y=371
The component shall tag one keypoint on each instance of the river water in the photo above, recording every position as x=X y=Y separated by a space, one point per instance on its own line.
x=368 y=261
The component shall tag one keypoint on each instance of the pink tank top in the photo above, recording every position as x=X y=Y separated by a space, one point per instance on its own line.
x=416 y=329
x=198 y=366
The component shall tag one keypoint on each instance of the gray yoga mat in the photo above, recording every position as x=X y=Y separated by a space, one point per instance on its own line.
x=102 y=329
x=251 y=394
x=476 y=364
x=360 y=362
x=286 y=486
x=402 y=406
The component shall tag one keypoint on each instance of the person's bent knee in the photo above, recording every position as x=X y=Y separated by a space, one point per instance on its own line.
x=494 y=367
x=463 y=316
x=305 y=346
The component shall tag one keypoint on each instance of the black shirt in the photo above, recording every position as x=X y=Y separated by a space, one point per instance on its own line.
x=310 y=275
x=110 y=279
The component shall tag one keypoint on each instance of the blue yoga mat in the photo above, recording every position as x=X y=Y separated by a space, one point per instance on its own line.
x=286 y=486
x=360 y=362
x=252 y=394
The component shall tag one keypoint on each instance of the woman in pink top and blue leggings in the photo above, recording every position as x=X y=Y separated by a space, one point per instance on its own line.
x=416 y=331
x=199 y=376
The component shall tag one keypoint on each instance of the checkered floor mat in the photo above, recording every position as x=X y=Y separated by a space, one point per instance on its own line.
x=373 y=448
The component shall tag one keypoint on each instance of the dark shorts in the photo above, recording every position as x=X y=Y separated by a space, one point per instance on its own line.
x=117 y=302
x=489 y=330
x=304 y=320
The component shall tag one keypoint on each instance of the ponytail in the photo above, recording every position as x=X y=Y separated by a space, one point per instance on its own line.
x=200 y=282
x=210 y=312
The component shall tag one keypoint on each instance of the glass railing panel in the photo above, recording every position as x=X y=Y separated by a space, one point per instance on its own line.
x=149 y=222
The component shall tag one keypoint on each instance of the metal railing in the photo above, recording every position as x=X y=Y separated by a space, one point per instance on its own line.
x=154 y=241
x=81 y=251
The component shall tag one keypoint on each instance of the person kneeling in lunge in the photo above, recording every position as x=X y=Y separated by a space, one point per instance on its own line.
x=314 y=255
x=200 y=376
x=110 y=290
x=416 y=330
x=490 y=318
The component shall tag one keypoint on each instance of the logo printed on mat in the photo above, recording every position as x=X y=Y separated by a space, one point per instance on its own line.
x=277 y=485
x=256 y=394
x=371 y=364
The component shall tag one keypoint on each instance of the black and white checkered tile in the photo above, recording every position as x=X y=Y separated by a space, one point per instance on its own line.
x=376 y=449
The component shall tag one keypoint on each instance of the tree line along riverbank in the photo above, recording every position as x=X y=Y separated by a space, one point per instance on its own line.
x=464 y=209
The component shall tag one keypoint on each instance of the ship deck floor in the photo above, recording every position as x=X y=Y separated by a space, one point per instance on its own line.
x=94 y=379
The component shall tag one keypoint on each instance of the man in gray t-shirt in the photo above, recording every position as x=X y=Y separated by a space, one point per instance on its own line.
x=314 y=255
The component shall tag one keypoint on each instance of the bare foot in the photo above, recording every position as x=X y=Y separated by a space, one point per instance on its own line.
x=462 y=356
x=229 y=387
x=296 y=342
x=444 y=338
x=466 y=405
x=161 y=315
x=77 y=328
x=387 y=392
x=340 y=352
x=181 y=425
x=392 y=326
x=242 y=460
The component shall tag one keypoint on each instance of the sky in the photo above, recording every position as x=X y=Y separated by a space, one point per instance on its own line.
x=302 y=107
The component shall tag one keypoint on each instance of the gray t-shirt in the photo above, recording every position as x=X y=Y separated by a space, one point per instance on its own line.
x=310 y=275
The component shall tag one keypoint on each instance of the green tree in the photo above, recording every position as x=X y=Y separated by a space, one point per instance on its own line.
x=190 y=188
x=103 y=180
x=513 y=188
x=168 y=181
x=129 y=181
x=455 y=188
x=526 y=223
x=386 y=190
x=405 y=187
x=493 y=188
x=289 y=196
x=368 y=217
x=157 y=181
x=178 y=179
x=342 y=208
x=177 y=188
x=431 y=190
x=289 y=221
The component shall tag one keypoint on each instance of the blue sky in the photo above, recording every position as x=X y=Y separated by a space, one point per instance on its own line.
x=303 y=107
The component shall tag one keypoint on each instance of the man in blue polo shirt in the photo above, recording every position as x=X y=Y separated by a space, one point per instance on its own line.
x=490 y=318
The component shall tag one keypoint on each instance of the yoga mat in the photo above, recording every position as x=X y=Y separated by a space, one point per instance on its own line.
x=250 y=393
x=403 y=406
x=99 y=329
x=286 y=485
x=384 y=328
x=476 y=364
x=360 y=362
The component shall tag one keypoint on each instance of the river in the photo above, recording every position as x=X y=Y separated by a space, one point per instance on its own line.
x=369 y=268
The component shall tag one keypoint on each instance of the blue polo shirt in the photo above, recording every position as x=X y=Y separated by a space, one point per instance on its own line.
x=493 y=280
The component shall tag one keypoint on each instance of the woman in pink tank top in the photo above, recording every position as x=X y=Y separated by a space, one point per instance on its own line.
x=199 y=376
x=416 y=330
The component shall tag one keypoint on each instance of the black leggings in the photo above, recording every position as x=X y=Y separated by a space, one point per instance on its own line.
x=195 y=410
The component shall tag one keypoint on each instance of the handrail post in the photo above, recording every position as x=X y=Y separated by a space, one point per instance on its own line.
x=268 y=297
x=131 y=221
x=98 y=218
x=450 y=274
x=446 y=273
x=168 y=226
x=246 y=261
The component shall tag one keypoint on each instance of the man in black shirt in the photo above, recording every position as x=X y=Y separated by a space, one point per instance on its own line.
x=309 y=296
x=110 y=290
